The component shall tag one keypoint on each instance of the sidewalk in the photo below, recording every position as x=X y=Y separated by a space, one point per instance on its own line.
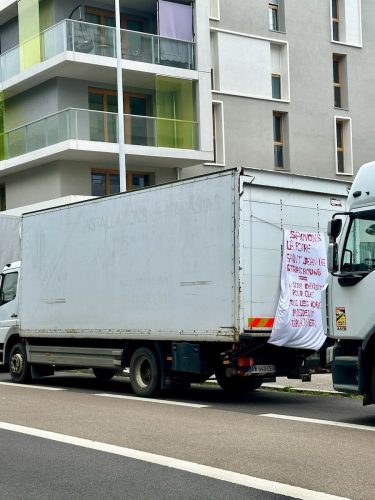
x=321 y=382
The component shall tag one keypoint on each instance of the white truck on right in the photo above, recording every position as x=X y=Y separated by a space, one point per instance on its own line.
x=351 y=289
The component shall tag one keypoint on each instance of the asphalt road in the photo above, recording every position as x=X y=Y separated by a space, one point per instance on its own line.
x=70 y=436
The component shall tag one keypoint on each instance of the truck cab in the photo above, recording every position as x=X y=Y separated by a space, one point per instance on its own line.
x=351 y=285
x=9 y=322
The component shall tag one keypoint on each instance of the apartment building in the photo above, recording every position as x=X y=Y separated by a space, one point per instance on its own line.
x=293 y=85
x=282 y=85
x=58 y=89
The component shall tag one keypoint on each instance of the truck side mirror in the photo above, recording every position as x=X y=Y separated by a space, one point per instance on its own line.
x=332 y=257
x=334 y=229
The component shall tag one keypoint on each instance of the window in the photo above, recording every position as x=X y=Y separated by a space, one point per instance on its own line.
x=215 y=10
x=346 y=22
x=8 y=288
x=276 y=86
x=137 y=180
x=3 y=204
x=340 y=145
x=105 y=182
x=218 y=132
x=343 y=137
x=279 y=71
x=359 y=250
x=103 y=126
x=335 y=20
x=278 y=140
x=339 y=81
x=273 y=12
x=276 y=15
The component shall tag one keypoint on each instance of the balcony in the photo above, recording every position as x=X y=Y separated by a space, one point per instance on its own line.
x=94 y=135
x=87 y=38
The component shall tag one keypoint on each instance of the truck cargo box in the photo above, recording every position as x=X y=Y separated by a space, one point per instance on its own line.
x=194 y=259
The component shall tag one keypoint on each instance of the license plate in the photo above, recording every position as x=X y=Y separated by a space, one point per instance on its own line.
x=263 y=369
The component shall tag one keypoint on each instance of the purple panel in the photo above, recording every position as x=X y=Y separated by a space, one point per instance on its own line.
x=175 y=20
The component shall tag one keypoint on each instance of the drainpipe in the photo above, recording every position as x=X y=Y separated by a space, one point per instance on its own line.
x=120 y=102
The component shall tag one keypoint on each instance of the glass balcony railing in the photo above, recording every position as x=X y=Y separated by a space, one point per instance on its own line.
x=85 y=125
x=99 y=40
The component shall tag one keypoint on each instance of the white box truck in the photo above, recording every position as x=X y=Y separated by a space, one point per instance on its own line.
x=351 y=314
x=10 y=225
x=175 y=282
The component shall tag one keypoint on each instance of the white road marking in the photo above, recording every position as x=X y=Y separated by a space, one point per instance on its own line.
x=191 y=467
x=26 y=386
x=320 y=422
x=150 y=400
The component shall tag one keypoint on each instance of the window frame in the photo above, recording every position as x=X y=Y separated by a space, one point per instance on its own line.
x=343 y=145
x=216 y=8
x=218 y=136
x=107 y=173
x=3 y=199
x=129 y=175
x=335 y=20
x=339 y=83
x=274 y=77
x=279 y=143
x=4 y=278
x=274 y=15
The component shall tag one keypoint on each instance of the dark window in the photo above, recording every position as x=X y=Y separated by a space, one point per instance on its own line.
x=137 y=180
x=273 y=11
x=276 y=86
x=335 y=20
x=3 y=204
x=8 y=288
x=340 y=146
x=337 y=81
x=108 y=182
x=278 y=142
x=103 y=183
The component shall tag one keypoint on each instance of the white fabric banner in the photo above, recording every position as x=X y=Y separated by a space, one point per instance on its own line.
x=176 y=20
x=298 y=321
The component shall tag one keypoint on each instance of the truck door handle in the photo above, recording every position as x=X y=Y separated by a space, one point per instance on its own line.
x=14 y=315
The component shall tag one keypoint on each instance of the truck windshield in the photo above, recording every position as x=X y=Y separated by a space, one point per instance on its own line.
x=359 y=250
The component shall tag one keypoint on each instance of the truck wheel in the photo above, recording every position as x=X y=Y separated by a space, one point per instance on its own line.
x=104 y=373
x=19 y=368
x=145 y=373
x=236 y=384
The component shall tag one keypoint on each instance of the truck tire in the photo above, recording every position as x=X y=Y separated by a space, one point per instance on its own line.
x=19 y=368
x=104 y=373
x=145 y=373
x=236 y=384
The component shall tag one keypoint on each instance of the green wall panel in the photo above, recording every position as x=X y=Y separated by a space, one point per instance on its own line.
x=2 y=137
x=29 y=29
x=175 y=111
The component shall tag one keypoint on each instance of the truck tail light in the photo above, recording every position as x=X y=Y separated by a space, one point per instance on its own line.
x=245 y=362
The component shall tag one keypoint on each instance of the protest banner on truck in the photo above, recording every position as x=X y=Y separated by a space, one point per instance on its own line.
x=298 y=320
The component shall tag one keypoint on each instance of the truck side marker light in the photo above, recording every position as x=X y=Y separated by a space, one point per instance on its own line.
x=260 y=322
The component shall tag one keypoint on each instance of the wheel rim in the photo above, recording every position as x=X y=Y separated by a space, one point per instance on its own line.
x=16 y=363
x=143 y=372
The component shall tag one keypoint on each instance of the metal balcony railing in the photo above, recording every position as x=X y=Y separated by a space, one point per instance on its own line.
x=88 y=38
x=98 y=126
